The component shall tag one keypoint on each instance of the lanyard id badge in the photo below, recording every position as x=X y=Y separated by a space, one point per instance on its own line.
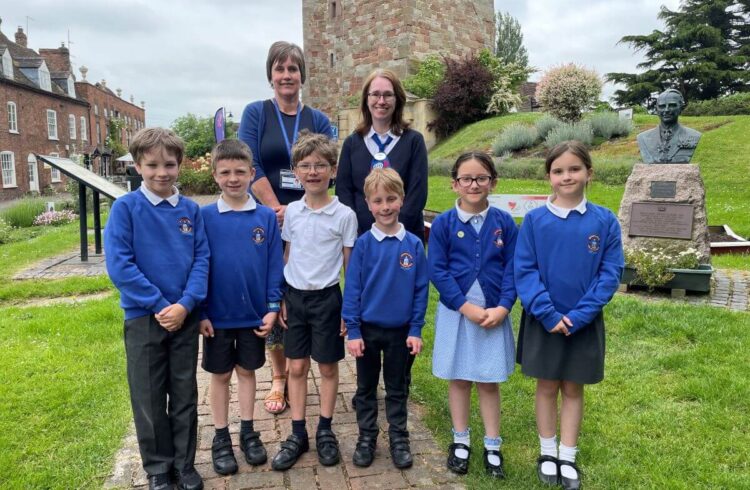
x=283 y=128
x=289 y=181
x=380 y=159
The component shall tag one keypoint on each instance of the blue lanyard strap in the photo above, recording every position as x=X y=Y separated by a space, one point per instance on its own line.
x=283 y=128
x=382 y=145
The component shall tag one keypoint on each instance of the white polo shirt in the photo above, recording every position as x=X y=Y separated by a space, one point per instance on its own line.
x=316 y=239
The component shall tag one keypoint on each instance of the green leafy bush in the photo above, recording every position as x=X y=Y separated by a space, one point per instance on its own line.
x=731 y=105
x=5 y=230
x=440 y=166
x=516 y=136
x=580 y=131
x=608 y=125
x=196 y=182
x=567 y=91
x=22 y=215
x=652 y=264
x=545 y=124
x=526 y=168
x=425 y=82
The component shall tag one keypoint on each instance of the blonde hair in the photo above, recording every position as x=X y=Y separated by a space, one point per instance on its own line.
x=309 y=143
x=387 y=178
x=149 y=138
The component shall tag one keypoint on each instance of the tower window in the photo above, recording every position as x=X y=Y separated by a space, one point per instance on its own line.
x=333 y=10
x=333 y=60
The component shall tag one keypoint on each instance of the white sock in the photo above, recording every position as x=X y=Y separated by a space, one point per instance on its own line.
x=462 y=438
x=568 y=454
x=548 y=448
x=493 y=443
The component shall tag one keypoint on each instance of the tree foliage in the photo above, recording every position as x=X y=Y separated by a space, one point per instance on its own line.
x=704 y=52
x=507 y=79
x=114 y=137
x=509 y=47
x=197 y=132
x=425 y=82
x=568 y=90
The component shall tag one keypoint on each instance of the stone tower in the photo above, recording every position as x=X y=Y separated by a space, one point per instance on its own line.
x=346 y=39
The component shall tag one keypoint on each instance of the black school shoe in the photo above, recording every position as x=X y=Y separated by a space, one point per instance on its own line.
x=189 y=479
x=327 y=447
x=364 y=453
x=290 y=451
x=456 y=464
x=569 y=483
x=161 y=481
x=252 y=447
x=495 y=471
x=222 y=456
x=544 y=478
x=401 y=453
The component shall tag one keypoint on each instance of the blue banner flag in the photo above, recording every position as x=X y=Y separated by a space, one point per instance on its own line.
x=219 y=125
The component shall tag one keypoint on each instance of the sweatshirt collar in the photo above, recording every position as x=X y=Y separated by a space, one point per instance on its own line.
x=223 y=207
x=465 y=216
x=174 y=199
x=564 y=212
x=380 y=236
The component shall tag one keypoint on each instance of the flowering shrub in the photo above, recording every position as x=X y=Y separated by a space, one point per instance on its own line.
x=652 y=264
x=55 y=218
x=196 y=179
x=566 y=91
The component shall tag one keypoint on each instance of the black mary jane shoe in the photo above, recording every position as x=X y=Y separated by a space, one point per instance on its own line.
x=327 y=447
x=252 y=447
x=544 y=478
x=401 y=453
x=222 y=457
x=290 y=451
x=364 y=453
x=569 y=483
x=495 y=471
x=161 y=481
x=456 y=464
x=189 y=479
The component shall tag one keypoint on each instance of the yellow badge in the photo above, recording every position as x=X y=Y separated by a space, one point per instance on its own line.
x=460 y=234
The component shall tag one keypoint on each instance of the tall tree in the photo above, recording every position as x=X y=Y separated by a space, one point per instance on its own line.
x=704 y=52
x=509 y=47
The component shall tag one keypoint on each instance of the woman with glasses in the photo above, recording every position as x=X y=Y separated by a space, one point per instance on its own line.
x=270 y=128
x=383 y=139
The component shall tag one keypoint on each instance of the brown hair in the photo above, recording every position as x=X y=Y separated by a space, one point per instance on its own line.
x=231 y=150
x=573 y=146
x=309 y=143
x=398 y=124
x=387 y=178
x=484 y=159
x=280 y=51
x=149 y=138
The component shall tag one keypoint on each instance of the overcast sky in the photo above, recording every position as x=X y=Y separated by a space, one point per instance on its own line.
x=183 y=56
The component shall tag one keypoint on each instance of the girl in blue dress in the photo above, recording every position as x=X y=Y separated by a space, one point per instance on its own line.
x=471 y=264
x=567 y=267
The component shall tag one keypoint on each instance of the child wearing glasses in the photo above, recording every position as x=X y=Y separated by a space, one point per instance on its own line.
x=471 y=265
x=320 y=232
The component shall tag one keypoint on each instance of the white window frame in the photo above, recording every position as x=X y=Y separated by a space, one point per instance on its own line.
x=105 y=112
x=7 y=65
x=98 y=133
x=84 y=130
x=51 y=124
x=71 y=86
x=55 y=172
x=72 y=126
x=96 y=110
x=12 y=117
x=45 y=82
x=9 y=173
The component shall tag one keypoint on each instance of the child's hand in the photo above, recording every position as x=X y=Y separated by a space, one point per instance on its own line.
x=414 y=344
x=356 y=347
x=495 y=316
x=171 y=317
x=342 y=332
x=206 y=328
x=474 y=313
x=282 y=315
x=269 y=319
x=279 y=210
x=562 y=326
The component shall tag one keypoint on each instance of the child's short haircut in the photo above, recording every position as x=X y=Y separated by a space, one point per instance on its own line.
x=387 y=178
x=309 y=143
x=149 y=138
x=231 y=150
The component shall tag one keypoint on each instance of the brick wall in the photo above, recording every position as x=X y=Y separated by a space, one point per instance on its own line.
x=100 y=98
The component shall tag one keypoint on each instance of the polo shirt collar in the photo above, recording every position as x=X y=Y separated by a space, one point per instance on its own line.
x=465 y=217
x=380 y=236
x=174 y=199
x=329 y=208
x=223 y=207
x=564 y=212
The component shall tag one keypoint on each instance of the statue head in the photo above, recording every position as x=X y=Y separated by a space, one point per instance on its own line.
x=669 y=105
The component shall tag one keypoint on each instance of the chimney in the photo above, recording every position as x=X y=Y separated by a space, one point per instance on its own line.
x=143 y=105
x=119 y=92
x=20 y=37
x=83 y=71
x=104 y=83
x=132 y=99
x=57 y=59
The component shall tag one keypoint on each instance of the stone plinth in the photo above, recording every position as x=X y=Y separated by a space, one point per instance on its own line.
x=688 y=189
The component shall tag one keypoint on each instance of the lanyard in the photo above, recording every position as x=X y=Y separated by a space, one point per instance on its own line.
x=382 y=145
x=283 y=128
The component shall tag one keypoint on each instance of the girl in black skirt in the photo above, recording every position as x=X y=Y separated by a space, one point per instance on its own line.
x=568 y=264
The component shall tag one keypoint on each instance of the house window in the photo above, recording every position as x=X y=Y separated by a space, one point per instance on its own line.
x=71 y=87
x=105 y=112
x=84 y=130
x=98 y=133
x=55 y=173
x=44 y=80
x=51 y=124
x=12 y=118
x=72 y=126
x=96 y=110
x=9 y=168
x=7 y=65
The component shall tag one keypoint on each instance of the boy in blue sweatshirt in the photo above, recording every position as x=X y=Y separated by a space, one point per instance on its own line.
x=385 y=300
x=244 y=295
x=157 y=256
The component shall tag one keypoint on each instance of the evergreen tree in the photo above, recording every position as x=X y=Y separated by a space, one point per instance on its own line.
x=704 y=52
x=510 y=47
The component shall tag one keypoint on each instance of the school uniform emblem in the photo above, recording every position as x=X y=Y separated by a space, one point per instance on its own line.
x=406 y=261
x=594 y=243
x=185 y=225
x=498 y=240
x=259 y=235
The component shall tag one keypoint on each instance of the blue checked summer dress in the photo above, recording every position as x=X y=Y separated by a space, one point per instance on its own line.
x=464 y=350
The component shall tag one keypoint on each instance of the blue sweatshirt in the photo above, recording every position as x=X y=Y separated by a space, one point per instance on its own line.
x=569 y=266
x=459 y=256
x=247 y=265
x=156 y=255
x=386 y=284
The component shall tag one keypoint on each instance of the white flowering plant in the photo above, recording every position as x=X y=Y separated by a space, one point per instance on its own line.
x=653 y=264
x=55 y=218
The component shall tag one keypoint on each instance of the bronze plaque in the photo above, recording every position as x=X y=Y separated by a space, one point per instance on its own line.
x=661 y=219
x=664 y=189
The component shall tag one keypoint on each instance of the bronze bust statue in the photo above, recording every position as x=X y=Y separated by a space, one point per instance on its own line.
x=670 y=142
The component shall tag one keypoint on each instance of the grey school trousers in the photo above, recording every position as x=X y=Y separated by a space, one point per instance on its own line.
x=163 y=391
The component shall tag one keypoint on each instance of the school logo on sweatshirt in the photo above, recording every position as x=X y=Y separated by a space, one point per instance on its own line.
x=594 y=243
x=406 y=261
x=185 y=225
x=498 y=240
x=259 y=235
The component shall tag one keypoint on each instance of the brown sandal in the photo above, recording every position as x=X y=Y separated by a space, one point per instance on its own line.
x=276 y=397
